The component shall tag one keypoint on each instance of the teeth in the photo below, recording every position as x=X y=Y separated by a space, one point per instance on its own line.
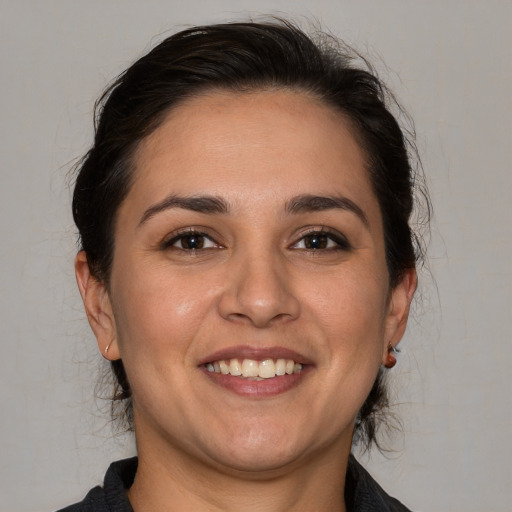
x=252 y=369
x=281 y=367
x=235 y=368
x=267 y=369
x=224 y=368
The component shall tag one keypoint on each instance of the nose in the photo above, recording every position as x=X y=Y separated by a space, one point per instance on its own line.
x=259 y=291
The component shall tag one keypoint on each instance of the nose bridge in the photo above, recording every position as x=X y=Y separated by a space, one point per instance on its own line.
x=259 y=290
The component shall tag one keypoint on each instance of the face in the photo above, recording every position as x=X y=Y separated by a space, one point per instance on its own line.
x=250 y=242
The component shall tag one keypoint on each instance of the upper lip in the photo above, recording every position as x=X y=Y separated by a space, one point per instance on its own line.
x=256 y=353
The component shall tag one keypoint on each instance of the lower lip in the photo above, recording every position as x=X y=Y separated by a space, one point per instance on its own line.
x=258 y=388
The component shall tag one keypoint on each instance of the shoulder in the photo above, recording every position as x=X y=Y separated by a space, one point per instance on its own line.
x=94 y=501
x=112 y=496
x=363 y=493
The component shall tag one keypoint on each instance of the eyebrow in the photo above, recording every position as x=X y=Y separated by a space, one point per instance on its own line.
x=311 y=203
x=215 y=205
x=201 y=204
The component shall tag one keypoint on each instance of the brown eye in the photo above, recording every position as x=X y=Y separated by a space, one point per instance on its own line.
x=316 y=241
x=322 y=240
x=190 y=241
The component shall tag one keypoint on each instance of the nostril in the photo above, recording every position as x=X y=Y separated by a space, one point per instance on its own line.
x=260 y=321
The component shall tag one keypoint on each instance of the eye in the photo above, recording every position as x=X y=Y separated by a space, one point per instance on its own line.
x=322 y=240
x=191 y=241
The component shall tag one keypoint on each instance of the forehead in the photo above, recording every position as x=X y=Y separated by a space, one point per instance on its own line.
x=238 y=145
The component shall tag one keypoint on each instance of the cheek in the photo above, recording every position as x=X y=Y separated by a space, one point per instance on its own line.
x=159 y=314
x=349 y=308
x=349 y=298
x=158 y=321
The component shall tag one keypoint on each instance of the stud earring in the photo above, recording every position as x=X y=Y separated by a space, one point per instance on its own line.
x=106 y=348
x=391 y=357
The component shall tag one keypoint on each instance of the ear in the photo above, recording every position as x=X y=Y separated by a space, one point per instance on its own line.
x=398 y=310
x=97 y=307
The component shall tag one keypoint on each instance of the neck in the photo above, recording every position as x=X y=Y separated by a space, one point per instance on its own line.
x=170 y=479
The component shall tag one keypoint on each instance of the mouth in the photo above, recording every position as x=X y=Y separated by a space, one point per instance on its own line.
x=253 y=369
x=256 y=372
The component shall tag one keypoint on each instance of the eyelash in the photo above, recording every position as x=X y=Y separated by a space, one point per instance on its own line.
x=327 y=237
x=190 y=233
x=339 y=241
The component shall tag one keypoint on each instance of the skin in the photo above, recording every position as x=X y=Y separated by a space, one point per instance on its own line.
x=255 y=282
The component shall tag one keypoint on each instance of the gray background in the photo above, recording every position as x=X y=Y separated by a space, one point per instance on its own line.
x=450 y=64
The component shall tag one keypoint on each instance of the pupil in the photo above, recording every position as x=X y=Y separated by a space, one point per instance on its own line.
x=193 y=242
x=316 y=242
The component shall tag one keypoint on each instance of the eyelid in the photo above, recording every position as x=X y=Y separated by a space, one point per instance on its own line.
x=336 y=236
x=174 y=236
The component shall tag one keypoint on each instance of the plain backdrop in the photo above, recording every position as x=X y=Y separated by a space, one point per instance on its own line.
x=449 y=62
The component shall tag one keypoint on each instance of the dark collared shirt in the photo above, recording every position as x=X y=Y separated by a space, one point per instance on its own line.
x=362 y=493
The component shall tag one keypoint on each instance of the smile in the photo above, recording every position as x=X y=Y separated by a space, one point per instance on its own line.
x=257 y=372
x=253 y=369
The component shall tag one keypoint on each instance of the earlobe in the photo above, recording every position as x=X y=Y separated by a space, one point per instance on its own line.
x=97 y=307
x=398 y=313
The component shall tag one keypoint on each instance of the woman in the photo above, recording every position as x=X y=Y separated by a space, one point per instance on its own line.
x=247 y=266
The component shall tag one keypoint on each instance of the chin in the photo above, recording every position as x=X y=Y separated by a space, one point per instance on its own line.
x=253 y=449
x=257 y=463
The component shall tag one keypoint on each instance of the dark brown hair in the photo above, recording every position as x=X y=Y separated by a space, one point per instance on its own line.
x=246 y=57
